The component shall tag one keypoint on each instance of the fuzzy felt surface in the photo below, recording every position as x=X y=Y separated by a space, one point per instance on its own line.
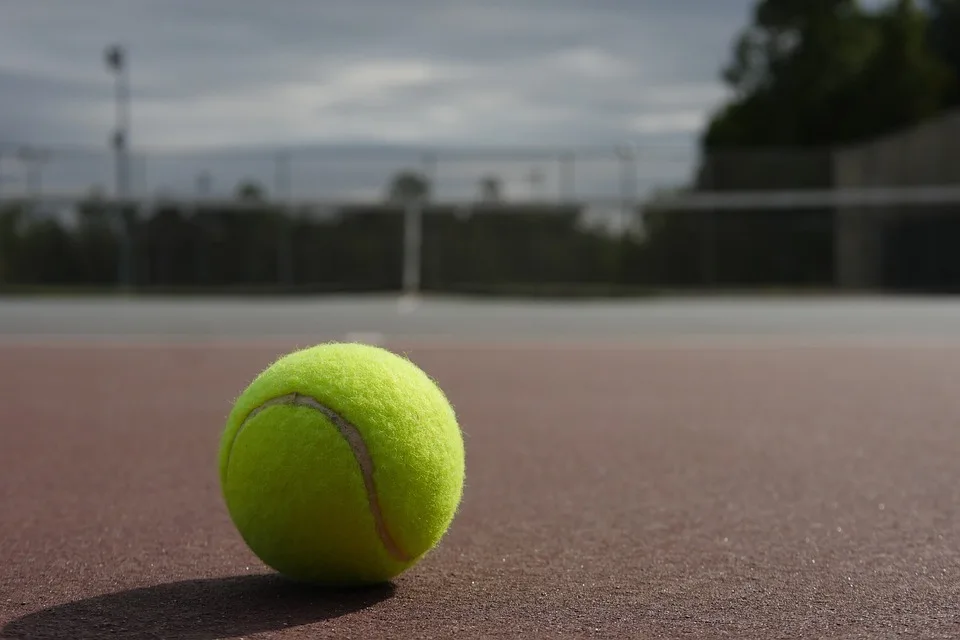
x=294 y=487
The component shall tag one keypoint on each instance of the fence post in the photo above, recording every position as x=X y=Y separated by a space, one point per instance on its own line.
x=412 y=244
x=282 y=195
x=710 y=259
x=567 y=181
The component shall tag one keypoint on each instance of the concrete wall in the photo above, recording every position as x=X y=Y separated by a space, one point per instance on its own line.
x=928 y=154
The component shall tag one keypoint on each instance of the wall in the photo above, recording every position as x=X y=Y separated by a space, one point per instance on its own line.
x=870 y=251
x=928 y=154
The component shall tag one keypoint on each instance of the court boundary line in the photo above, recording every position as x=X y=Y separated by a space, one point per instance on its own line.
x=650 y=343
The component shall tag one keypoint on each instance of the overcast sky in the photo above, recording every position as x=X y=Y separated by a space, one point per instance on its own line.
x=213 y=74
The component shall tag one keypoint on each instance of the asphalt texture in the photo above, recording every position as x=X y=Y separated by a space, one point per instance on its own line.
x=663 y=469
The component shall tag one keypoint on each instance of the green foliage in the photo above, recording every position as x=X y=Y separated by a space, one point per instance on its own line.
x=903 y=83
x=250 y=191
x=490 y=189
x=806 y=76
x=824 y=72
x=408 y=186
x=943 y=36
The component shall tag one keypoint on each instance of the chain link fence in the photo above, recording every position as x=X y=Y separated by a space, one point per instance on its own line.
x=534 y=222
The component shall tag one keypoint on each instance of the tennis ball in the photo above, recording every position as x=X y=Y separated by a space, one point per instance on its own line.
x=342 y=464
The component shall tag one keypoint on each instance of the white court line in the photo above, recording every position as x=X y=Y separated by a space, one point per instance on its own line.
x=650 y=343
x=408 y=304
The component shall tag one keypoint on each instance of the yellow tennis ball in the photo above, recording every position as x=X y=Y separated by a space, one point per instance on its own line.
x=342 y=464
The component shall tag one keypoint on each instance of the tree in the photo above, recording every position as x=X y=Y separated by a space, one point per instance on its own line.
x=408 y=186
x=943 y=28
x=823 y=72
x=250 y=191
x=903 y=82
x=491 y=189
x=784 y=65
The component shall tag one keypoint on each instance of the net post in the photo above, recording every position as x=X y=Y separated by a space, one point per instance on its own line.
x=412 y=244
x=284 y=213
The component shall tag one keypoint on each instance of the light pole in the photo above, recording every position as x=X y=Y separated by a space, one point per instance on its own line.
x=115 y=58
x=535 y=178
x=567 y=176
x=627 y=156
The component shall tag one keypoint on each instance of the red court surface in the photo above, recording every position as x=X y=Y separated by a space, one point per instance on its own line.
x=654 y=492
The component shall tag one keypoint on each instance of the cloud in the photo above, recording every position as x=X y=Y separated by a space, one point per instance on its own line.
x=684 y=121
x=223 y=73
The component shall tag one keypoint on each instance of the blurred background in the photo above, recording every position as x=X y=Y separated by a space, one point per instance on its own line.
x=530 y=149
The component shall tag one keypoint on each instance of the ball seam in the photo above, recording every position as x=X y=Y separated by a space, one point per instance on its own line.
x=361 y=454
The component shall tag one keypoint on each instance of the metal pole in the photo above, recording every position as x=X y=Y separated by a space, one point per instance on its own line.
x=141 y=166
x=413 y=219
x=204 y=185
x=120 y=140
x=281 y=190
x=36 y=180
x=412 y=242
x=535 y=178
x=628 y=180
x=33 y=161
x=628 y=199
x=567 y=176
x=709 y=247
x=115 y=58
x=430 y=163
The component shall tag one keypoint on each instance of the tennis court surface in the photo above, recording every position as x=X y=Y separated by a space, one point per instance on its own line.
x=682 y=469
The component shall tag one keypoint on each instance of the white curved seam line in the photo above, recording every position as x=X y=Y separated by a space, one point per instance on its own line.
x=360 y=453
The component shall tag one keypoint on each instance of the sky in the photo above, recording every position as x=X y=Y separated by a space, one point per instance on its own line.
x=359 y=89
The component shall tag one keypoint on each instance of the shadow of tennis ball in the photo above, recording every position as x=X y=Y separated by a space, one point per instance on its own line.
x=197 y=609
